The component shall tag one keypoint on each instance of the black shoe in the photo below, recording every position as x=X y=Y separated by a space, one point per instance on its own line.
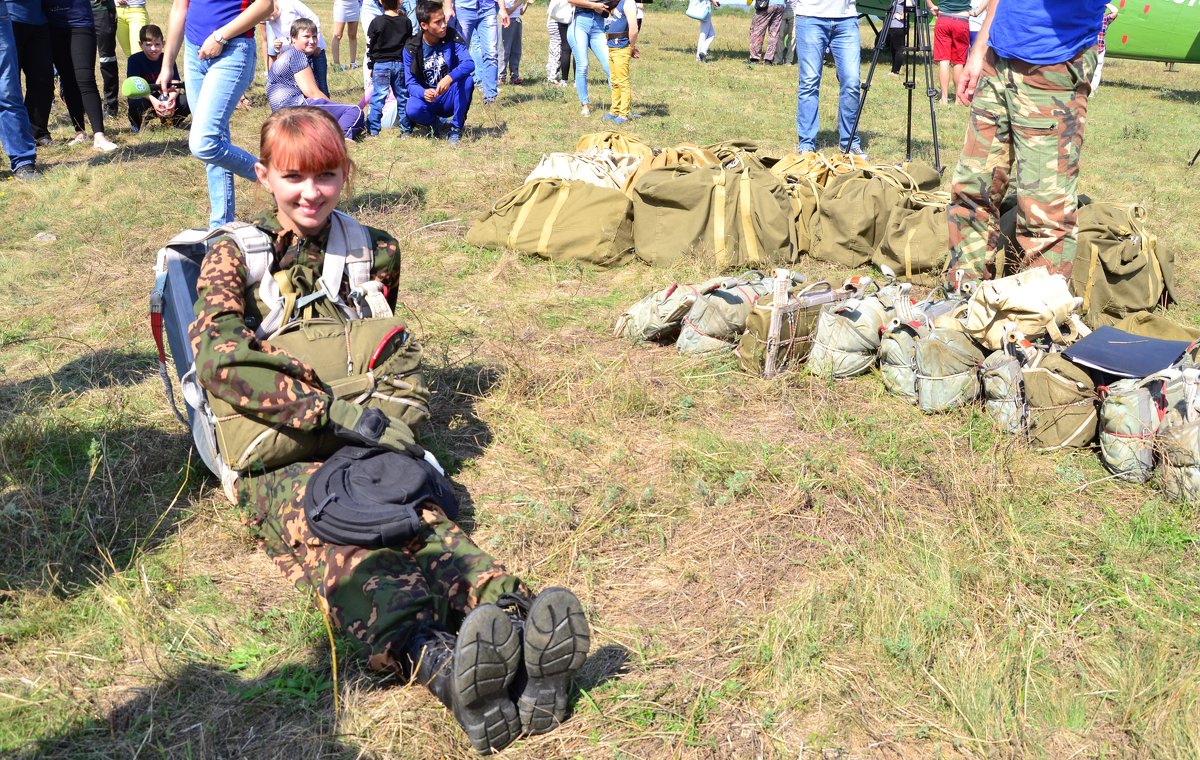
x=471 y=673
x=555 y=641
x=27 y=173
x=44 y=141
x=702 y=57
x=111 y=112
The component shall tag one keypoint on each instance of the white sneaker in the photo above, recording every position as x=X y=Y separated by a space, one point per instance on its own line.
x=102 y=143
x=80 y=139
x=585 y=111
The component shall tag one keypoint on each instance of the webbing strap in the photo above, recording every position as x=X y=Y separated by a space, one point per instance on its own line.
x=522 y=217
x=348 y=252
x=747 y=222
x=1091 y=277
x=544 y=239
x=719 y=214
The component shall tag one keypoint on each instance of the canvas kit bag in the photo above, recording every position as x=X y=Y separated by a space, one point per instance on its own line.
x=560 y=220
x=602 y=168
x=1119 y=267
x=856 y=207
x=617 y=142
x=1033 y=303
x=916 y=240
x=739 y=218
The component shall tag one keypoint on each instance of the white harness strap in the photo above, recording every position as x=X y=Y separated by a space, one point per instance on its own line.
x=348 y=253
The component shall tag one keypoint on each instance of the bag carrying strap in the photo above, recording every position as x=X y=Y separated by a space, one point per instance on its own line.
x=751 y=248
x=719 y=213
x=543 y=242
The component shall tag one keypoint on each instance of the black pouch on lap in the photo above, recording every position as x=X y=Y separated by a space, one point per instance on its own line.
x=370 y=497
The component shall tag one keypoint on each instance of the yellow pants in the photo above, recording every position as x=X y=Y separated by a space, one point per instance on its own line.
x=130 y=21
x=622 y=91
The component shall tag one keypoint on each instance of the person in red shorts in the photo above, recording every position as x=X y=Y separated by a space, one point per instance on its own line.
x=951 y=40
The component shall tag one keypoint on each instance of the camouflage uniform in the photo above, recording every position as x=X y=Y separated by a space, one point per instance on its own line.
x=1029 y=120
x=379 y=596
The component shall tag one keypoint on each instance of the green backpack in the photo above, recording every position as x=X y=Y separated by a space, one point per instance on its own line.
x=797 y=320
x=1119 y=267
x=734 y=218
x=947 y=370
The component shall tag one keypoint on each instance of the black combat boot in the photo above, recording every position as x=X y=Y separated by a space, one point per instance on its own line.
x=555 y=642
x=471 y=674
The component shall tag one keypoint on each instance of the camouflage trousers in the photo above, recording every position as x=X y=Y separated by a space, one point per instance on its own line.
x=378 y=596
x=1026 y=123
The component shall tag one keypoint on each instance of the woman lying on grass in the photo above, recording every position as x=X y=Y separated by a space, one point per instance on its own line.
x=428 y=603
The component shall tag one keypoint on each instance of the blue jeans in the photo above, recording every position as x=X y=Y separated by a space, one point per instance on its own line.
x=320 y=67
x=16 y=136
x=451 y=104
x=587 y=32
x=813 y=35
x=387 y=76
x=478 y=27
x=215 y=86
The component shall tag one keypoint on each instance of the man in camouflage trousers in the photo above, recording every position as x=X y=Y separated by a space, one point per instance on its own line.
x=436 y=607
x=1027 y=82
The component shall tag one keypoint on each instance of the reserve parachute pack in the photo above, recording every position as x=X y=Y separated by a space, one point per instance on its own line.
x=658 y=316
x=934 y=321
x=847 y=334
x=1177 y=445
x=361 y=352
x=777 y=338
x=718 y=317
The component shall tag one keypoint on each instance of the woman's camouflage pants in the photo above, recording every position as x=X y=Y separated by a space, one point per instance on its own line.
x=1027 y=121
x=379 y=596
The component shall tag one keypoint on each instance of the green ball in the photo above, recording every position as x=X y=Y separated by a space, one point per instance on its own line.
x=135 y=87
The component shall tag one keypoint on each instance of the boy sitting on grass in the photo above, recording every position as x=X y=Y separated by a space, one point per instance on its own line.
x=438 y=72
x=147 y=64
x=622 y=48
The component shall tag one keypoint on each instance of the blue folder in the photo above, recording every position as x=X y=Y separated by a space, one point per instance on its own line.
x=1124 y=354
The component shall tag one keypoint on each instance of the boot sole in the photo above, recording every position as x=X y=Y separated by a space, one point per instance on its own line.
x=556 y=644
x=486 y=659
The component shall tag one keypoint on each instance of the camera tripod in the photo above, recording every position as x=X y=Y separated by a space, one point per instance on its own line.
x=918 y=51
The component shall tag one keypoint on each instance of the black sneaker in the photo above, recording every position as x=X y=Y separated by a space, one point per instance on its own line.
x=27 y=173
x=44 y=141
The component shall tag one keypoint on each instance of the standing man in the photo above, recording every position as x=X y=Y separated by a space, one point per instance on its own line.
x=822 y=24
x=105 y=13
x=15 y=135
x=479 y=22
x=951 y=40
x=1027 y=82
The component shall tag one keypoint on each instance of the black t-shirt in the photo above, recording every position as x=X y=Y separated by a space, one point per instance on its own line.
x=388 y=35
x=141 y=66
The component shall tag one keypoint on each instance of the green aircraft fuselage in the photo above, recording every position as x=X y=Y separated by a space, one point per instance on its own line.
x=1149 y=30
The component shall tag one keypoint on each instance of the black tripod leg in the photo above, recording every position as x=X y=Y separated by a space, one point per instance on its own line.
x=925 y=49
x=1193 y=161
x=880 y=39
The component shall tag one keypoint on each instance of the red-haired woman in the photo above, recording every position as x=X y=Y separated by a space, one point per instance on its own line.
x=431 y=605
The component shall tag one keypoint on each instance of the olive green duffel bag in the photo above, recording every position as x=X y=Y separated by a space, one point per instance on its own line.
x=733 y=218
x=562 y=221
x=1119 y=267
x=916 y=241
x=856 y=207
x=371 y=362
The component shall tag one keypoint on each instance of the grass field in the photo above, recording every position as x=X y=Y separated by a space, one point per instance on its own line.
x=772 y=569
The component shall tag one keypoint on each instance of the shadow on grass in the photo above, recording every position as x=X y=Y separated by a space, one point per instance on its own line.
x=204 y=711
x=1165 y=93
x=455 y=433
x=83 y=494
x=160 y=149
x=408 y=198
